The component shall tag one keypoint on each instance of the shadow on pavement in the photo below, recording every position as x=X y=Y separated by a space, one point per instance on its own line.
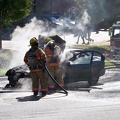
x=28 y=98
x=83 y=86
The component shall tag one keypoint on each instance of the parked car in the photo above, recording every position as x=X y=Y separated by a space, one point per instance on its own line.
x=66 y=21
x=78 y=65
x=55 y=20
x=50 y=21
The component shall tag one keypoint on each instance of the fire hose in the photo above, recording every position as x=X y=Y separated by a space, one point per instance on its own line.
x=54 y=80
x=50 y=73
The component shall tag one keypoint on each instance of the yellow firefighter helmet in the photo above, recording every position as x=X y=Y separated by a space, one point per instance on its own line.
x=33 y=41
x=47 y=40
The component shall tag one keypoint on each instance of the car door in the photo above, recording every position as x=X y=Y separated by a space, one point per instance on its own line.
x=98 y=64
x=78 y=67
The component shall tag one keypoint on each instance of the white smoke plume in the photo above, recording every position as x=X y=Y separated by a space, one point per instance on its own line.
x=21 y=37
x=83 y=21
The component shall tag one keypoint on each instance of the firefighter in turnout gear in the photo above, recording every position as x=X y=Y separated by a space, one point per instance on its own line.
x=53 y=53
x=35 y=58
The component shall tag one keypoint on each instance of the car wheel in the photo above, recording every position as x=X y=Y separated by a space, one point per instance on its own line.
x=93 y=80
x=8 y=86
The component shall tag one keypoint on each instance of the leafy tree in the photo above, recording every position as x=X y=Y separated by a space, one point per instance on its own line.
x=13 y=11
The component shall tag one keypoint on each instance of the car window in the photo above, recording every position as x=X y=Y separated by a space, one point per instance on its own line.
x=96 y=56
x=82 y=58
x=117 y=32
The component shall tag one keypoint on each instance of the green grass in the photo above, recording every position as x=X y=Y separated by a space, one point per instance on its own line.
x=3 y=71
x=107 y=64
x=100 y=49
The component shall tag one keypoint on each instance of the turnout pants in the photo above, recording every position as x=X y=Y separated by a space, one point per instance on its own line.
x=56 y=72
x=39 y=78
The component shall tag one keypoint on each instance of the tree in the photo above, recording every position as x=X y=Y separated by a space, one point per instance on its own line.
x=13 y=11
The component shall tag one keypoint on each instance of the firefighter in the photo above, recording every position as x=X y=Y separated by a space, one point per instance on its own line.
x=53 y=53
x=35 y=58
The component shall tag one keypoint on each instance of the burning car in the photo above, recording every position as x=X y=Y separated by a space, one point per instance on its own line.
x=83 y=65
x=79 y=65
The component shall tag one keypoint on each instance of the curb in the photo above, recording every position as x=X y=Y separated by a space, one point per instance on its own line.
x=111 y=67
x=3 y=77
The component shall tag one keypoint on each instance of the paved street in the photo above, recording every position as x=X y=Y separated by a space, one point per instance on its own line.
x=100 y=102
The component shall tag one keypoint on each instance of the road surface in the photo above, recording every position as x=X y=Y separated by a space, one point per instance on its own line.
x=100 y=102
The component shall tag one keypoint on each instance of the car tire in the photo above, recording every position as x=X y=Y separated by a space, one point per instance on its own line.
x=93 y=81
x=7 y=86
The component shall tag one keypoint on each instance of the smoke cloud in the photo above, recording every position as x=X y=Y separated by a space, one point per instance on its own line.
x=22 y=35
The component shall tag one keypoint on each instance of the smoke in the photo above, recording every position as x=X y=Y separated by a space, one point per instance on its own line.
x=83 y=21
x=98 y=10
x=21 y=37
x=26 y=84
x=85 y=18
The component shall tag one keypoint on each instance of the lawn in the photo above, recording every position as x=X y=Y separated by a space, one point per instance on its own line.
x=101 y=49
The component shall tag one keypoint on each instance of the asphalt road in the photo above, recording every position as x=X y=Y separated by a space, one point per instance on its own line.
x=100 y=102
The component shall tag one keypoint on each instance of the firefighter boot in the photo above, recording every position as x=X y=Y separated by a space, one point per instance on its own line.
x=35 y=93
x=51 y=91
x=43 y=94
